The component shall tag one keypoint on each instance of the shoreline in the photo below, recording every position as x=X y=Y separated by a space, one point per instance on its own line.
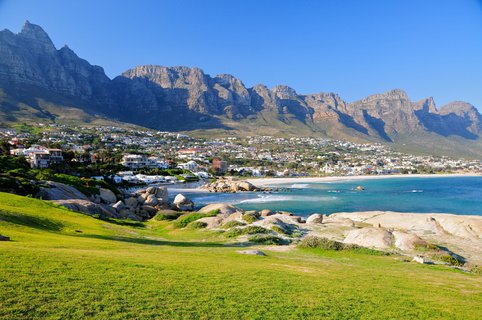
x=275 y=181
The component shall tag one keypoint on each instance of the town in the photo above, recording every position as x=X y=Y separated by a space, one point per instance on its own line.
x=150 y=157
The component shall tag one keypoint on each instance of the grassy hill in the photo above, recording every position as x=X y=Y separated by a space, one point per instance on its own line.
x=64 y=265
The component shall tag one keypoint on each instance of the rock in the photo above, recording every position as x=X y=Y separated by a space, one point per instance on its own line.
x=151 y=190
x=360 y=188
x=59 y=191
x=119 y=205
x=370 y=238
x=418 y=259
x=141 y=199
x=151 y=200
x=131 y=202
x=224 y=209
x=88 y=207
x=107 y=196
x=151 y=210
x=253 y=252
x=4 y=238
x=315 y=218
x=182 y=203
x=407 y=241
x=212 y=222
x=266 y=213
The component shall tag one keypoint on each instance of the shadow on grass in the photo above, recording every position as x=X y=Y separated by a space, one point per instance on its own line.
x=128 y=223
x=154 y=242
x=31 y=221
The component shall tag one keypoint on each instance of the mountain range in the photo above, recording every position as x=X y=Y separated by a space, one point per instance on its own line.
x=39 y=82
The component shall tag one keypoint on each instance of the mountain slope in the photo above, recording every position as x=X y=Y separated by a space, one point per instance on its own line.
x=37 y=82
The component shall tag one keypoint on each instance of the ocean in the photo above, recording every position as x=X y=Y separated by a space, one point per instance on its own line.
x=456 y=195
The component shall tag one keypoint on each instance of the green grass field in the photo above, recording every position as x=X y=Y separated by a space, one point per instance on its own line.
x=64 y=265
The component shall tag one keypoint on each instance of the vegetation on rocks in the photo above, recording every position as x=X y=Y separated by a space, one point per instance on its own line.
x=185 y=219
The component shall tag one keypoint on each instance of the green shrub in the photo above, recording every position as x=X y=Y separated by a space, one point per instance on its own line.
x=233 y=223
x=476 y=269
x=185 y=219
x=327 y=244
x=234 y=232
x=266 y=239
x=250 y=217
x=448 y=258
x=254 y=230
x=320 y=243
x=197 y=225
x=168 y=217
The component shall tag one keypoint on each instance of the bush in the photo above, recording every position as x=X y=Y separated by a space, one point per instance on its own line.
x=234 y=232
x=168 y=217
x=278 y=229
x=233 y=223
x=266 y=239
x=320 y=243
x=197 y=225
x=254 y=230
x=250 y=217
x=327 y=244
x=450 y=259
x=185 y=219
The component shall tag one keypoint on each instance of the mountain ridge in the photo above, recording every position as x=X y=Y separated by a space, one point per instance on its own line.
x=184 y=98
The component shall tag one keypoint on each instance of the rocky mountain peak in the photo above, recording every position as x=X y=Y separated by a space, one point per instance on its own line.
x=37 y=35
x=284 y=92
x=426 y=105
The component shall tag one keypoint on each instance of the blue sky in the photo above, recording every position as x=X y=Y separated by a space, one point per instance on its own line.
x=354 y=48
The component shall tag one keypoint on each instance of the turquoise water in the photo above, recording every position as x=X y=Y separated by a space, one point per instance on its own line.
x=458 y=195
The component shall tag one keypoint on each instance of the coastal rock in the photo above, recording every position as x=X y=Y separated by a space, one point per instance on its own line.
x=418 y=259
x=407 y=241
x=315 y=218
x=231 y=185
x=212 y=222
x=107 y=196
x=182 y=203
x=370 y=238
x=132 y=202
x=88 y=207
x=58 y=191
x=151 y=200
x=224 y=209
x=266 y=213
x=119 y=205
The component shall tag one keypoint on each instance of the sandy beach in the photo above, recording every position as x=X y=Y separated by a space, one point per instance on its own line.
x=273 y=181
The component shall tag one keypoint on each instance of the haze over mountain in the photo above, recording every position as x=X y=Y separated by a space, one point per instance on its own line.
x=37 y=82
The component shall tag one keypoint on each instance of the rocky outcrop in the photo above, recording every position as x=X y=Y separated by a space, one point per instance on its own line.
x=233 y=185
x=370 y=237
x=51 y=190
x=182 y=203
x=89 y=208
x=315 y=218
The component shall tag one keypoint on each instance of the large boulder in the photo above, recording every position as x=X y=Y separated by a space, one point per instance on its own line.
x=182 y=203
x=266 y=213
x=58 y=191
x=407 y=241
x=107 y=196
x=370 y=237
x=162 y=193
x=131 y=202
x=119 y=205
x=315 y=218
x=224 y=209
x=151 y=200
x=88 y=207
